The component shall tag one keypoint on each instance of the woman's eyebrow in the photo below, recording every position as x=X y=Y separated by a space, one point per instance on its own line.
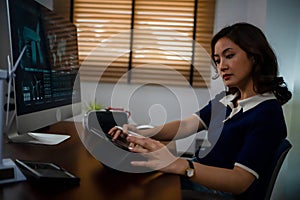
x=223 y=52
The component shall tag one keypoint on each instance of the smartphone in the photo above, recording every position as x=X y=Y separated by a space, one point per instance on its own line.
x=122 y=141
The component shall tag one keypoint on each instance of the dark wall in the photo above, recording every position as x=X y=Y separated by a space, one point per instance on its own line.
x=62 y=7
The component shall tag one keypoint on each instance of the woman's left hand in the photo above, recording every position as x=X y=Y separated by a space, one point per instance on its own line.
x=159 y=157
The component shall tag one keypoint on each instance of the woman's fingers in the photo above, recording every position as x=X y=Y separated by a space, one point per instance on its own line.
x=139 y=163
x=112 y=130
x=115 y=133
x=143 y=145
x=157 y=154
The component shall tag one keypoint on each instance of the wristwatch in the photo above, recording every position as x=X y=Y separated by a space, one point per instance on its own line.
x=190 y=171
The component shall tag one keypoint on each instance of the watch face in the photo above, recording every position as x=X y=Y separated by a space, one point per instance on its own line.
x=190 y=172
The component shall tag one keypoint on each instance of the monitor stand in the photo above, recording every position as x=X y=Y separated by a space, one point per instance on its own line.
x=38 y=138
x=33 y=137
x=9 y=172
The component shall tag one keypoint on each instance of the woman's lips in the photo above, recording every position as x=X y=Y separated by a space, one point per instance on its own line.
x=226 y=76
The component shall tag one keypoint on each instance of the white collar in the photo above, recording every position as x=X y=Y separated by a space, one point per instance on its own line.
x=248 y=103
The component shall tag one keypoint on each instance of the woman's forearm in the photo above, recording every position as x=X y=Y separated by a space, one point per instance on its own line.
x=164 y=132
x=174 y=130
x=235 y=180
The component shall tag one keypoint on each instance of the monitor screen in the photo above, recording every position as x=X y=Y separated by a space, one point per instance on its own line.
x=47 y=87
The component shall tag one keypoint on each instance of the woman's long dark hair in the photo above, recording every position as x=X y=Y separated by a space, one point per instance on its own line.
x=265 y=70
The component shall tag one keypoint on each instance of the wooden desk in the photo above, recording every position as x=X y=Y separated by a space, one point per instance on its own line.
x=96 y=181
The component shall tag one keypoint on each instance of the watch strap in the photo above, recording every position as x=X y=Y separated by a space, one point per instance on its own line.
x=191 y=164
x=190 y=170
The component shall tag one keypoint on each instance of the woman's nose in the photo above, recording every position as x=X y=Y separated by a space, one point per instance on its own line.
x=222 y=66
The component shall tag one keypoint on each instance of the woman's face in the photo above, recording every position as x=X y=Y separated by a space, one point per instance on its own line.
x=233 y=64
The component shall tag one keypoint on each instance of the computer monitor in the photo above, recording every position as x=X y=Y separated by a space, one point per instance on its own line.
x=46 y=84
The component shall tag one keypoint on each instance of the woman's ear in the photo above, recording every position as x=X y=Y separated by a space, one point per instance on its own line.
x=253 y=60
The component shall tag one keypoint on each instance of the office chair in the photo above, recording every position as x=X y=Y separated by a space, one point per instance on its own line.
x=261 y=189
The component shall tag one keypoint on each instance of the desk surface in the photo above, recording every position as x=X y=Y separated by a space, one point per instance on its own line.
x=96 y=181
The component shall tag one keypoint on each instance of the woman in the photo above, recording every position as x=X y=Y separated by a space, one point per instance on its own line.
x=247 y=135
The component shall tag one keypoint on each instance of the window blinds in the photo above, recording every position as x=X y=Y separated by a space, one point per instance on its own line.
x=143 y=41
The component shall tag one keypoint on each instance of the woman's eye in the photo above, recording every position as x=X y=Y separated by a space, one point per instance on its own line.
x=217 y=61
x=229 y=56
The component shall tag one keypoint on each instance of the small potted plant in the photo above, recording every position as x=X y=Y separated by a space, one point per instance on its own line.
x=93 y=106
